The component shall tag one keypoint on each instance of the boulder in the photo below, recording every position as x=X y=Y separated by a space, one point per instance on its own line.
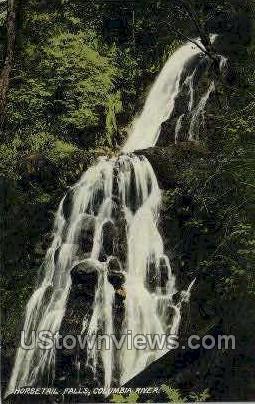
x=86 y=274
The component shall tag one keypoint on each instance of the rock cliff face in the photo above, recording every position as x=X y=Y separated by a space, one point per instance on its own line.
x=169 y=162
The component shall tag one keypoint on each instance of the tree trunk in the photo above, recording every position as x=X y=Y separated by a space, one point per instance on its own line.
x=7 y=67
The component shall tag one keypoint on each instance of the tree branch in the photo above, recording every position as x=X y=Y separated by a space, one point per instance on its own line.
x=188 y=39
x=205 y=38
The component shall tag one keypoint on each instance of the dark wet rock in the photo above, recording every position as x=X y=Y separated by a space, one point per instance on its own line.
x=86 y=273
x=134 y=198
x=114 y=239
x=47 y=240
x=79 y=306
x=169 y=162
x=114 y=264
x=116 y=279
x=120 y=236
x=56 y=255
x=152 y=277
x=116 y=203
x=108 y=236
x=120 y=244
x=98 y=200
x=119 y=310
x=102 y=256
x=115 y=185
x=86 y=235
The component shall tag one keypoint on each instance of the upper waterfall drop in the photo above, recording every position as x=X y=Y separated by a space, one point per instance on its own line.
x=160 y=102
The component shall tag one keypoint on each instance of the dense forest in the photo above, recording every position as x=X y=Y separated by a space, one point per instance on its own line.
x=74 y=75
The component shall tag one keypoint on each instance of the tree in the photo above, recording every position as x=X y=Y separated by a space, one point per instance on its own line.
x=12 y=6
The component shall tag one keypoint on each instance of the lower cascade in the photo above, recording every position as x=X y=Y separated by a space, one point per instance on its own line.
x=106 y=239
x=118 y=201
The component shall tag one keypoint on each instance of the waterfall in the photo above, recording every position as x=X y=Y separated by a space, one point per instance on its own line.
x=198 y=113
x=127 y=186
x=161 y=100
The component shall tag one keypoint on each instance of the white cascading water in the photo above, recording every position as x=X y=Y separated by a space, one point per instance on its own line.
x=196 y=113
x=161 y=100
x=147 y=312
x=199 y=111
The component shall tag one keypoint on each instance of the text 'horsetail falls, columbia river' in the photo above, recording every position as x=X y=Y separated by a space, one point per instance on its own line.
x=113 y=191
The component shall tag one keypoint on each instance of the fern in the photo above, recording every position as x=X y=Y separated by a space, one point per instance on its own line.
x=200 y=397
x=173 y=395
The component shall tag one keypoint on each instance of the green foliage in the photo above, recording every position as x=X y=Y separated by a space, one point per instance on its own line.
x=83 y=76
x=173 y=395
x=114 y=107
x=69 y=88
x=131 y=398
